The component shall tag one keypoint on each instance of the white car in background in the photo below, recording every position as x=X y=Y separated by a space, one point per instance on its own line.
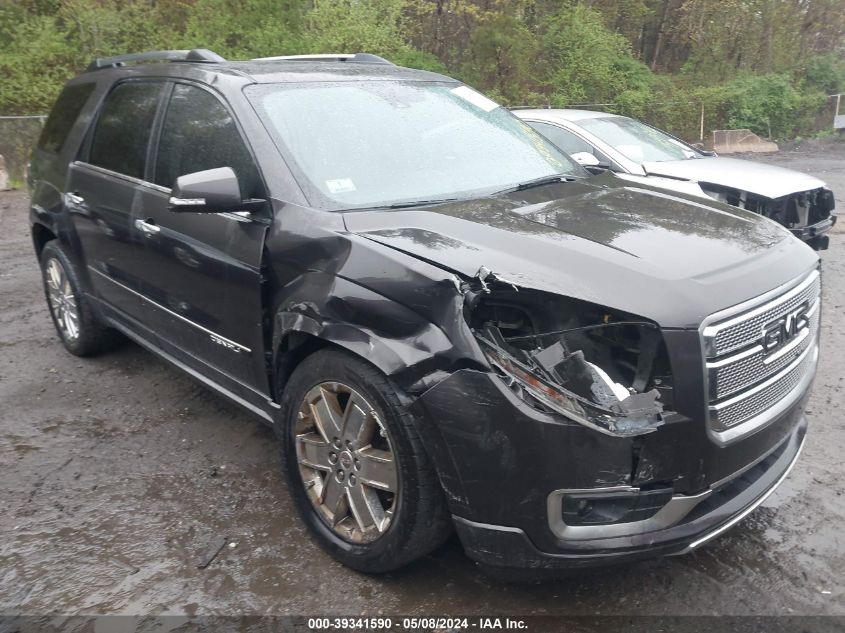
x=635 y=151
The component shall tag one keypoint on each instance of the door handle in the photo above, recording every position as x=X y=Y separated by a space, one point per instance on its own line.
x=147 y=228
x=72 y=198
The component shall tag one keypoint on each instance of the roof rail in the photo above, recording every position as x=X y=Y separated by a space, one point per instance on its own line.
x=356 y=58
x=194 y=55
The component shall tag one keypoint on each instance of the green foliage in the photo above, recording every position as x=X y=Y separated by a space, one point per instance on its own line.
x=413 y=58
x=825 y=73
x=770 y=106
x=762 y=64
x=500 y=59
x=44 y=50
x=584 y=61
x=238 y=29
x=339 y=26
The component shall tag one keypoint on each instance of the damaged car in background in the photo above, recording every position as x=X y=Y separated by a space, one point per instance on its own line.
x=635 y=151
x=448 y=323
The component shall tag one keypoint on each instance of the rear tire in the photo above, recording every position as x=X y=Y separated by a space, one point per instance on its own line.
x=80 y=331
x=356 y=468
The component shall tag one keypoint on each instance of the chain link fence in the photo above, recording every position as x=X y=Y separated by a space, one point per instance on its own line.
x=18 y=135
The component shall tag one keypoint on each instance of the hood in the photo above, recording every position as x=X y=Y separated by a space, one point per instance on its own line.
x=636 y=249
x=757 y=178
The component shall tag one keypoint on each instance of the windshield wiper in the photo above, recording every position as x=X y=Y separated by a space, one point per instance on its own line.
x=539 y=182
x=406 y=205
x=419 y=203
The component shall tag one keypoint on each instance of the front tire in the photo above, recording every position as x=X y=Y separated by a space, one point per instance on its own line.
x=356 y=468
x=76 y=323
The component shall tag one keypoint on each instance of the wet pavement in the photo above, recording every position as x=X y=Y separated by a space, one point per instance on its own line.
x=122 y=476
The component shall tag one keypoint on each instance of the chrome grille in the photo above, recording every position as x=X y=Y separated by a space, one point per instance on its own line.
x=735 y=373
x=746 y=385
x=744 y=329
x=746 y=406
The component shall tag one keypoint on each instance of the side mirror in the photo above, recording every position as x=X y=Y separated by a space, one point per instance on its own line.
x=209 y=191
x=586 y=159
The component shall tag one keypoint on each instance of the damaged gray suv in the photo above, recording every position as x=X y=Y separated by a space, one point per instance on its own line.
x=448 y=322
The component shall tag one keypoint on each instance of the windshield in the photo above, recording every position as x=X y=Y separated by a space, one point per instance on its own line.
x=379 y=143
x=637 y=141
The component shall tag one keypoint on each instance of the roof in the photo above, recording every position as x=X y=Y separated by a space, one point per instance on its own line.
x=294 y=68
x=278 y=71
x=563 y=114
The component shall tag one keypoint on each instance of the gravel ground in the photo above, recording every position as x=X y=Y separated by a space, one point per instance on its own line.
x=120 y=473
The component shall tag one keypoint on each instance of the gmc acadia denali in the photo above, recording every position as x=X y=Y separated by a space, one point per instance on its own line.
x=449 y=324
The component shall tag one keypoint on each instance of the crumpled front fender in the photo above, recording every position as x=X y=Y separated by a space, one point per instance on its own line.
x=400 y=342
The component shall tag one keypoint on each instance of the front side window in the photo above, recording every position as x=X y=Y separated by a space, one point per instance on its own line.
x=564 y=139
x=636 y=141
x=63 y=115
x=377 y=143
x=199 y=133
x=122 y=133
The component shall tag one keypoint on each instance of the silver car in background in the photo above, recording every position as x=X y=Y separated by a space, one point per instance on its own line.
x=636 y=151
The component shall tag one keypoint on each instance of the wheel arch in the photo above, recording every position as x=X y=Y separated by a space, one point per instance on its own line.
x=296 y=336
x=41 y=234
x=414 y=353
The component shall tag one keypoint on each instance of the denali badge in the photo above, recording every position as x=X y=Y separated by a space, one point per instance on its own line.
x=224 y=343
x=778 y=333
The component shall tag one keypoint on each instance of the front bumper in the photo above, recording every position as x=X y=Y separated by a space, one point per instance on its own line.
x=508 y=547
x=503 y=463
x=815 y=234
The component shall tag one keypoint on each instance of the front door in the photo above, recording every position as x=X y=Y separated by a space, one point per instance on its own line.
x=203 y=270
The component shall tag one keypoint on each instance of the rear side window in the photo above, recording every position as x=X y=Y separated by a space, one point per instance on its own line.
x=122 y=134
x=63 y=115
x=199 y=133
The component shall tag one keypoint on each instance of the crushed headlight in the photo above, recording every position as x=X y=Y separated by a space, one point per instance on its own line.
x=616 y=410
x=607 y=371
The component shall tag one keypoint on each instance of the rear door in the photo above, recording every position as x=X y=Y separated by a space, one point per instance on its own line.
x=104 y=191
x=202 y=271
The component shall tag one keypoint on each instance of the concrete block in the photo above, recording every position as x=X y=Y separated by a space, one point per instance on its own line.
x=733 y=141
x=4 y=175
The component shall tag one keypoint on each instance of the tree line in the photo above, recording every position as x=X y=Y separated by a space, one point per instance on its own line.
x=763 y=64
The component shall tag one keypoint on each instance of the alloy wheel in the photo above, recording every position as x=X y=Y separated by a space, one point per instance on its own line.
x=62 y=300
x=347 y=463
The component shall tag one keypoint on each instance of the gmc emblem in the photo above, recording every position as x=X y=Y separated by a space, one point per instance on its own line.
x=778 y=333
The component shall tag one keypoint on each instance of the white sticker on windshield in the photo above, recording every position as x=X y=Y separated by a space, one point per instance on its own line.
x=340 y=185
x=475 y=98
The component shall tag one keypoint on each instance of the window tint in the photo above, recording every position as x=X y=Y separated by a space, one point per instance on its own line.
x=564 y=139
x=199 y=134
x=123 y=129
x=63 y=115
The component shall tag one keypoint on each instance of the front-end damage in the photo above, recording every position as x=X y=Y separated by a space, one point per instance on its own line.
x=593 y=365
x=568 y=451
x=571 y=394
x=807 y=214
x=564 y=376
